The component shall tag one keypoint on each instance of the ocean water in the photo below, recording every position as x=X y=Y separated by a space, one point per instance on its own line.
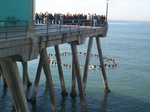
x=128 y=42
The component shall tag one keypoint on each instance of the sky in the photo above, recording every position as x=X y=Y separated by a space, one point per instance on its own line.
x=117 y=9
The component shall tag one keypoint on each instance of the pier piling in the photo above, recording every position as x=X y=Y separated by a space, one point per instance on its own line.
x=87 y=61
x=73 y=93
x=106 y=88
x=61 y=77
x=25 y=76
x=79 y=78
x=46 y=67
x=36 y=83
x=15 y=85
x=2 y=74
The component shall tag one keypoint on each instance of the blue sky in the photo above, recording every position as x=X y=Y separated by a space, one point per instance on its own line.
x=118 y=9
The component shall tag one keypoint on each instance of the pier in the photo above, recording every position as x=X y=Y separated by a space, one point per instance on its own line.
x=25 y=48
x=21 y=43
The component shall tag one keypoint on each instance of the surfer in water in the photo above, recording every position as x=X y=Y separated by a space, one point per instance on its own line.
x=89 y=66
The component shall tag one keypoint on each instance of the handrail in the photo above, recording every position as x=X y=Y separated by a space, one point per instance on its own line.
x=61 y=25
x=13 y=28
x=9 y=29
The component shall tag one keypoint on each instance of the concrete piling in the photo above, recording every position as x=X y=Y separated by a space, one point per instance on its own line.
x=46 y=67
x=0 y=70
x=13 y=80
x=28 y=80
x=61 y=77
x=87 y=61
x=1 y=74
x=106 y=88
x=73 y=93
x=79 y=78
x=25 y=76
x=7 y=73
x=36 y=83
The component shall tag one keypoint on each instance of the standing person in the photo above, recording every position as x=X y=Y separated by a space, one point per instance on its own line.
x=46 y=18
x=89 y=20
x=75 y=17
x=98 y=20
x=67 y=16
x=36 y=18
x=61 y=18
x=101 y=20
x=95 y=20
x=50 y=18
x=58 y=17
x=88 y=16
x=40 y=17
x=55 y=17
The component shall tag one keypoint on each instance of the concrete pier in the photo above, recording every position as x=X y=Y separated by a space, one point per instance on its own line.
x=28 y=48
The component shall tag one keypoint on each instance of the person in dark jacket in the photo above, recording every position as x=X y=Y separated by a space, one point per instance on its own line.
x=42 y=18
x=36 y=18
x=50 y=18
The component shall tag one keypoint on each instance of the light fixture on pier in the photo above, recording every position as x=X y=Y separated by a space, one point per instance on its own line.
x=106 y=10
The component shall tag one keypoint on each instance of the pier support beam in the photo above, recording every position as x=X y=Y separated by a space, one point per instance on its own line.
x=102 y=65
x=36 y=83
x=79 y=78
x=73 y=93
x=25 y=76
x=28 y=80
x=61 y=77
x=87 y=61
x=13 y=80
x=1 y=74
x=46 y=67
x=24 y=65
x=0 y=70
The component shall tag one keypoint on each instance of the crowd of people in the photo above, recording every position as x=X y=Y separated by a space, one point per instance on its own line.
x=42 y=18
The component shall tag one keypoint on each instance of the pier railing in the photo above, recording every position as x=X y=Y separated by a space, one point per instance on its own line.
x=19 y=28
x=67 y=25
x=13 y=28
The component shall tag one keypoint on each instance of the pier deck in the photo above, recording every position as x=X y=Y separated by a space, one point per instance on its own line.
x=20 y=44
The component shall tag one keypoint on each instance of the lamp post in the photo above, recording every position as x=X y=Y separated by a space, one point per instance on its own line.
x=32 y=11
x=106 y=10
x=31 y=30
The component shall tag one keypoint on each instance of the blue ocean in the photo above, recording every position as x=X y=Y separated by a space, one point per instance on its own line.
x=128 y=43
